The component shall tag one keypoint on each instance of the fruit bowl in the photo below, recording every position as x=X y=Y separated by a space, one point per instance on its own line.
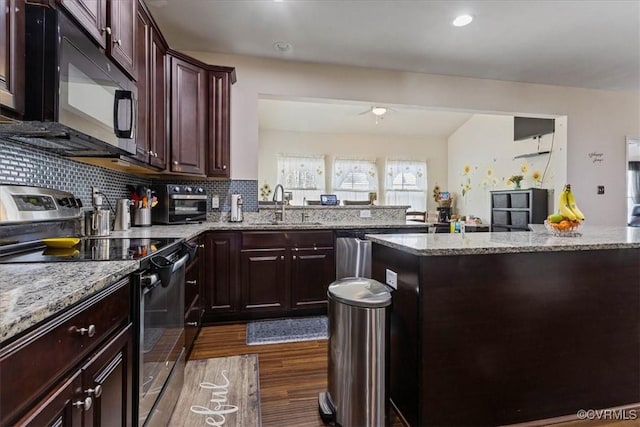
x=564 y=228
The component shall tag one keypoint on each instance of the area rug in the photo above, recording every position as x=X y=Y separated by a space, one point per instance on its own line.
x=222 y=391
x=287 y=330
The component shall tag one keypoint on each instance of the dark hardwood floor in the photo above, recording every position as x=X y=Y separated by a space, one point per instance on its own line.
x=292 y=375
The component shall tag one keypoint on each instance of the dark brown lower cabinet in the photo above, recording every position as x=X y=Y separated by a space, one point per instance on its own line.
x=75 y=369
x=312 y=271
x=220 y=266
x=263 y=278
x=193 y=296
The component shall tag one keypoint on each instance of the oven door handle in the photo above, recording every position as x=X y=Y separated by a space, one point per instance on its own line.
x=164 y=268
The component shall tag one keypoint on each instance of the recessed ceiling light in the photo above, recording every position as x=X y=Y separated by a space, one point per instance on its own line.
x=378 y=111
x=282 y=46
x=462 y=20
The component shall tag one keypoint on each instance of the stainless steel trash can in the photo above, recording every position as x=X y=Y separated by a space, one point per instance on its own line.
x=358 y=335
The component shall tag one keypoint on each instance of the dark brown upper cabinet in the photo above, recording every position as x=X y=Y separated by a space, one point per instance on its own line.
x=151 y=70
x=188 y=120
x=219 y=156
x=12 y=57
x=111 y=23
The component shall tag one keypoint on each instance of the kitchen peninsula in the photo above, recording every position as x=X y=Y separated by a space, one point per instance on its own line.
x=503 y=328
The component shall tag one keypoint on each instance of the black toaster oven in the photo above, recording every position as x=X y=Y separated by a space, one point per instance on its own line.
x=179 y=204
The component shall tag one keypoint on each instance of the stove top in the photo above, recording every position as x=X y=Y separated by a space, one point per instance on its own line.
x=91 y=249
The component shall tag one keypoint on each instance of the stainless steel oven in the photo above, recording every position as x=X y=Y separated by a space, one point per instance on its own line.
x=159 y=302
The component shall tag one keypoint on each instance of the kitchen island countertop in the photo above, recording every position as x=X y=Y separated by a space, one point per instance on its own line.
x=539 y=240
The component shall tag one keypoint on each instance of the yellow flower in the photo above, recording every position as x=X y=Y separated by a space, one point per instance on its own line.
x=536 y=176
x=466 y=170
x=490 y=172
x=524 y=168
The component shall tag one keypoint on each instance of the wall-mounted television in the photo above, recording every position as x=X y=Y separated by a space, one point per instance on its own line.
x=530 y=127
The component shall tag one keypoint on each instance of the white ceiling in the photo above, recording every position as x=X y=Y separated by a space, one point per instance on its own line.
x=589 y=43
x=320 y=116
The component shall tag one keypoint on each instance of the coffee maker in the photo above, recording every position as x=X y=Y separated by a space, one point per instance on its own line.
x=444 y=214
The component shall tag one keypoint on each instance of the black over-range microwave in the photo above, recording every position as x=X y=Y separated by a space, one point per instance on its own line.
x=77 y=101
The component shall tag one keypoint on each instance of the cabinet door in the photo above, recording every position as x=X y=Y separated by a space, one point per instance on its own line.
x=92 y=15
x=263 y=279
x=122 y=42
x=62 y=407
x=188 y=117
x=142 y=54
x=107 y=379
x=221 y=273
x=12 y=55
x=194 y=306
x=219 y=120
x=157 y=102
x=312 y=271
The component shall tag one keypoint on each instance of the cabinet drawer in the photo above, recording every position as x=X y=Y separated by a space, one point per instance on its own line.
x=310 y=238
x=501 y=217
x=520 y=200
x=501 y=200
x=32 y=364
x=520 y=219
x=263 y=239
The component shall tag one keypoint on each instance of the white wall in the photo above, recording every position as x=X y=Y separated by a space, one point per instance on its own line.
x=598 y=121
x=485 y=145
x=432 y=150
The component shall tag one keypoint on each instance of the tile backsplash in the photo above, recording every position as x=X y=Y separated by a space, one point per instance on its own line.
x=20 y=165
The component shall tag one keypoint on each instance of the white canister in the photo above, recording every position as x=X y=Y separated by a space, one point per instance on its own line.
x=236 y=208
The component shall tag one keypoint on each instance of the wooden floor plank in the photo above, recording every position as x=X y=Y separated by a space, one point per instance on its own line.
x=292 y=375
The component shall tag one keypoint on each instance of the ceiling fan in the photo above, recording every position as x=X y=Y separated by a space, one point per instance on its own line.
x=378 y=112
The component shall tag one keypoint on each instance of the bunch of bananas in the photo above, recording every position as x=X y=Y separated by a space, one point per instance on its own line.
x=569 y=216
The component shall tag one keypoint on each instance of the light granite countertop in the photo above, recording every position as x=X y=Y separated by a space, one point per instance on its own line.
x=539 y=240
x=33 y=292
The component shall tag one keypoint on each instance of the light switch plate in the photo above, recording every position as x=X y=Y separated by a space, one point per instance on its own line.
x=365 y=213
x=215 y=202
x=392 y=279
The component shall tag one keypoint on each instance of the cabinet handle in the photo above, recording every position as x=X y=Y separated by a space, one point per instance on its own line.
x=191 y=282
x=151 y=153
x=175 y=162
x=85 y=404
x=281 y=257
x=90 y=331
x=105 y=30
x=118 y=42
x=97 y=392
x=201 y=246
x=224 y=166
x=295 y=257
x=192 y=323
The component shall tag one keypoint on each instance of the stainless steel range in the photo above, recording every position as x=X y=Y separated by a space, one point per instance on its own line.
x=30 y=214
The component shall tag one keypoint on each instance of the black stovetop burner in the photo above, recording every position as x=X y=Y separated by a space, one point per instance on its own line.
x=90 y=249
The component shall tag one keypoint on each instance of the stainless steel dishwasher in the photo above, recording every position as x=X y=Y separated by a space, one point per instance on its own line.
x=353 y=251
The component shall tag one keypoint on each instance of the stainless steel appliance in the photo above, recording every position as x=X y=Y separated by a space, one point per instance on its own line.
x=159 y=298
x=123 y=215
x=179 y=204
x=78 y=102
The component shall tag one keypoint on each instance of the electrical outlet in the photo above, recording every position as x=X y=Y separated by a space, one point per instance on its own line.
x=365 y=213
x=600 y=189
x=215 y=202
x=392 y=278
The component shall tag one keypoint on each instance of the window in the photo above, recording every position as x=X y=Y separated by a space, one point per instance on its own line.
x=354 y=179
x=406 y=184
x=303 y=176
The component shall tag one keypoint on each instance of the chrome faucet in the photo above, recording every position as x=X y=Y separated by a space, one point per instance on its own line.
x=280 y=214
